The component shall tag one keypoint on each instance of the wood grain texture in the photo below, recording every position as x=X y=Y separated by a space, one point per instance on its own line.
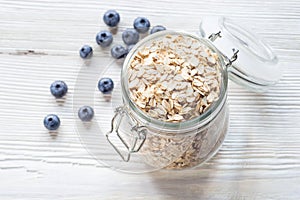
x=39 y=42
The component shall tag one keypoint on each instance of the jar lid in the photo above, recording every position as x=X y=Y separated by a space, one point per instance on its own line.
x=256 y=66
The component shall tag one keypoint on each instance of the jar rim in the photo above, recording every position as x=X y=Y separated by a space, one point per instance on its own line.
x=200 y=120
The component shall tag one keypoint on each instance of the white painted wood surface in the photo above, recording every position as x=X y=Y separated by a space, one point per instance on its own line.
x=39 y=42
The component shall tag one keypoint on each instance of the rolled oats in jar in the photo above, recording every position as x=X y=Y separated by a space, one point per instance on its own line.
x=174 y=78
x=174 y=87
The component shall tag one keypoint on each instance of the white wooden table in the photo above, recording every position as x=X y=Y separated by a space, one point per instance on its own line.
x=39 y=42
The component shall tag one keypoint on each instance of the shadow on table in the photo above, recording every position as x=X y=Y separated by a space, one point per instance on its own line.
x=217 y=179
x=185 y=184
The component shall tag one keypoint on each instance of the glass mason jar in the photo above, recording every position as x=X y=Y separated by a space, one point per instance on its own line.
x=138 y=142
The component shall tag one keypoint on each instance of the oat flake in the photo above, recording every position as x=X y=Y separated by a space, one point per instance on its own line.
x=174 y=78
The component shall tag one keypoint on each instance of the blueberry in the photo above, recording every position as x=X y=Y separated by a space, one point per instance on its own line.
x=118 y=52
x=104 y=38
x=157 y=29
x=130 y=36
x=141 y=24
x=86 y=51
x=111 y=18
x=106 y=85
x=86 y=113
x=51 y=122
x=58 y=89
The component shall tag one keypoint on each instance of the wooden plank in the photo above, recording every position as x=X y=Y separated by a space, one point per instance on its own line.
x=39 y=42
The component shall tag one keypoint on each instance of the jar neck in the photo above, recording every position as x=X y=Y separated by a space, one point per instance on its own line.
x=179 y=129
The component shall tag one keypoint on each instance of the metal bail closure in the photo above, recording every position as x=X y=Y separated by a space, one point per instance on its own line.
x=214 y=36
x=234 y=57
x=133 y=141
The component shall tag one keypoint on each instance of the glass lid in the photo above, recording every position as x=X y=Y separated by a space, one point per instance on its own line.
x=256 y=66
